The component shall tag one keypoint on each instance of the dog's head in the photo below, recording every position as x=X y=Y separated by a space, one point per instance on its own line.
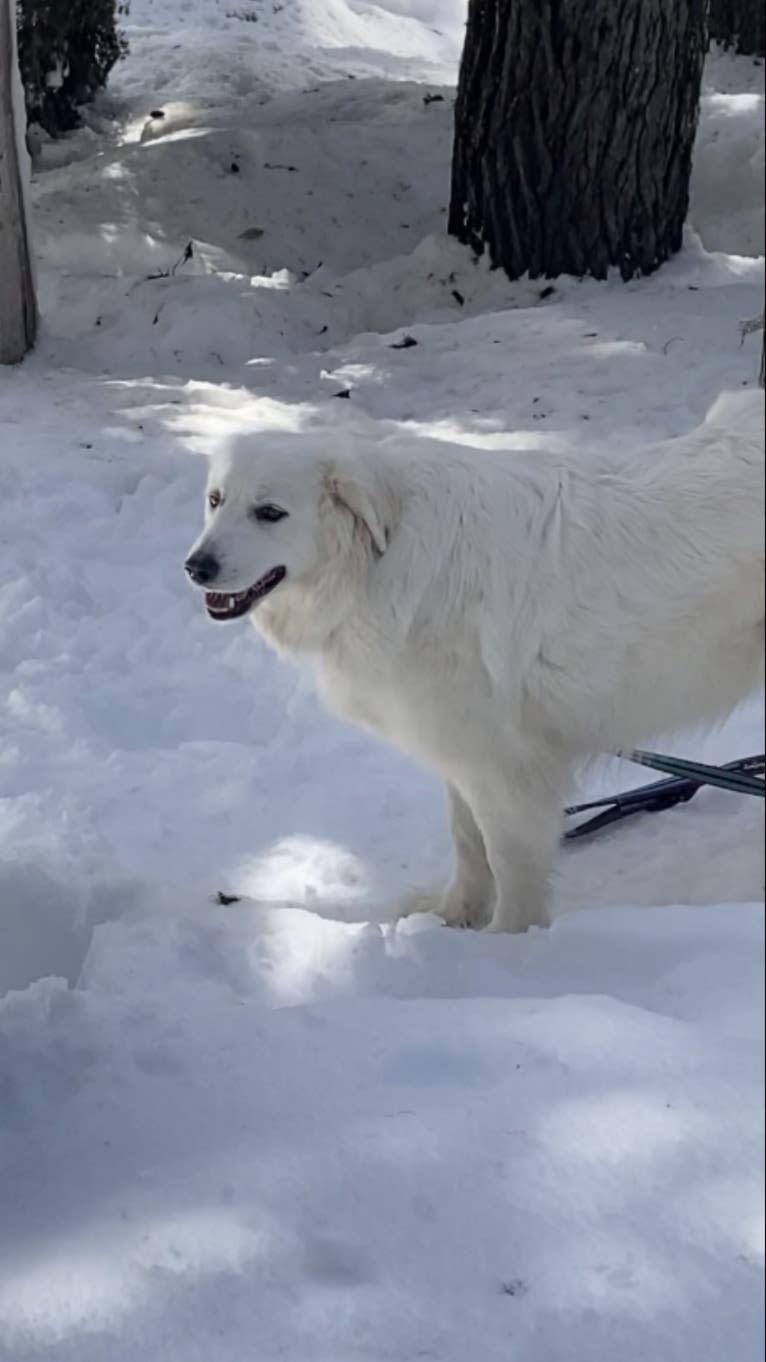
x=280 y=524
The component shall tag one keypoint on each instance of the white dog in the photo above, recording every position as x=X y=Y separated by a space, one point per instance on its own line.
x=502 y=616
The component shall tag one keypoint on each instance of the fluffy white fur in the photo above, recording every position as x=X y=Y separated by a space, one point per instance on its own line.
x=502 y=616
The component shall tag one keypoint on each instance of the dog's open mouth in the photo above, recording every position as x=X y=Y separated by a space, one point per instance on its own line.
x=230 y=606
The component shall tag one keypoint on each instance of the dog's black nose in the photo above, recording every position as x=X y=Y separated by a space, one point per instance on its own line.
x=203 y=568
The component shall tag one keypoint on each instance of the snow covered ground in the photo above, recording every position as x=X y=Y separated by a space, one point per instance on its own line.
x=287 y=1130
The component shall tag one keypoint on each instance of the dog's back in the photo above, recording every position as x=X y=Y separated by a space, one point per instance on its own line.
x=739 y=413
x=663 y=613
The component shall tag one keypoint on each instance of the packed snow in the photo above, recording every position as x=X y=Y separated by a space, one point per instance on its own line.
x=287 y=1128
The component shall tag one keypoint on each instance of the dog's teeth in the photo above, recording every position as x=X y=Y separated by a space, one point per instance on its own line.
x=232 y=601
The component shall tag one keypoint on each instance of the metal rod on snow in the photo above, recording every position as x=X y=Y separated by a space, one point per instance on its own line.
x=737 y=781
x=652 y=798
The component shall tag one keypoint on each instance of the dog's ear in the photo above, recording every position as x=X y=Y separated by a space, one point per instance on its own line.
x=363 y=492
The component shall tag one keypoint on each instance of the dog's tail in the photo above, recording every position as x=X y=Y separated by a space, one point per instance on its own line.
x=739 y=413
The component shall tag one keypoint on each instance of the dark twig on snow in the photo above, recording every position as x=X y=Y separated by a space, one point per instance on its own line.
x=182 y=259
x=746 y=329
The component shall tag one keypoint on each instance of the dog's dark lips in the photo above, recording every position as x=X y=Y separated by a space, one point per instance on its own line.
x=231 y=605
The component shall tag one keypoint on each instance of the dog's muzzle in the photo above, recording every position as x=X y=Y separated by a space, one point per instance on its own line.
x=221 y=605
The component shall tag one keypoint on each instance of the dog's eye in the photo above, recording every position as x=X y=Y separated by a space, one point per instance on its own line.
x=214 y=500
x=268 y=514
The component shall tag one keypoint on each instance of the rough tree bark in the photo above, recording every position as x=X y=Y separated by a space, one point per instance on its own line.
x=740 y=24
x=18 y=309
x=574 y=129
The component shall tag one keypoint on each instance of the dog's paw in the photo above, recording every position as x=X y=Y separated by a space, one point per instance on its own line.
x=420 y=901
x=514 y=923
x=453 y=910
x=472 y=915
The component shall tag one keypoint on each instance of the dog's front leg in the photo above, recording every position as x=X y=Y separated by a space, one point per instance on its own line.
x=468 y=900
x=520 y=823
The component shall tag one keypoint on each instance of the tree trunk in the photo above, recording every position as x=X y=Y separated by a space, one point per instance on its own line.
x=740 y=24
x=18 y=309
x=574 y=130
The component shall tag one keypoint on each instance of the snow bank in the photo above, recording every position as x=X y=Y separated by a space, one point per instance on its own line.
x=727 y=202
x=388 y=1146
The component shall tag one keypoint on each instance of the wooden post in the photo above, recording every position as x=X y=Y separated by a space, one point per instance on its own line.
x=18 y=306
